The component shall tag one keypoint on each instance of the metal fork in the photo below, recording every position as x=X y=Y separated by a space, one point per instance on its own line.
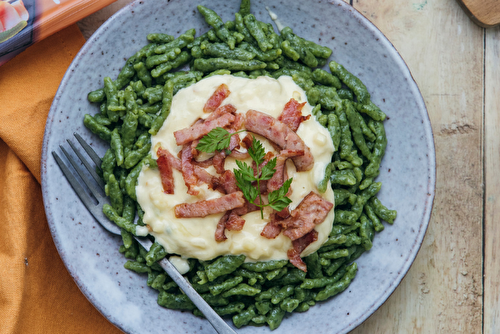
x=96 y=210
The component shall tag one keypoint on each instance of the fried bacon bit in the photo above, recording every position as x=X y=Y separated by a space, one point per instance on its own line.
x=234 y=222
x=276 y=181
x=298 y=247
x=203 y=163
x=219 y=161
x=229 y=221
x=220 y=94
x=292 y=114
x=201 y=174
x=272 y=228
x=221 y=227
x=197 y=131
x=225 y=109
x=247 y=141
x=166 y=174
x=239 y=121
x=176 y=163
x=204 y=208
x=239 y=155
x=187 y=169
x=310 y=212
x=280 y=134
x=228 y=180
x=285 y=213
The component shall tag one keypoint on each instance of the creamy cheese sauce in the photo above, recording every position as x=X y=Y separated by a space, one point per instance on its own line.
x=195 y=237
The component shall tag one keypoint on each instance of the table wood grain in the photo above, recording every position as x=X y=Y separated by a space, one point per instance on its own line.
x=454 y=284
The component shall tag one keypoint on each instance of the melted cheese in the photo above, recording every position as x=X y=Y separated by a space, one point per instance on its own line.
x=194 y=237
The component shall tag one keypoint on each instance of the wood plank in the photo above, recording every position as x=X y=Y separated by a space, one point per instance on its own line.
x=492 y=182
x=485 y=13
x=442 y=293
x=90 y=23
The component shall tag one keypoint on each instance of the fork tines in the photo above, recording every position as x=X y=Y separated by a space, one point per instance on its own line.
x=96 y=188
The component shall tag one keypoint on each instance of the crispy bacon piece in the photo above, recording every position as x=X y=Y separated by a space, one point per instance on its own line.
x=272 y=228
x=194 y=151
x=197 y=131
x=239 y=121
x=298 y=247
x=220 y=94
x=203 y=163
x=239 y=155
x=229 y=182
x=278 y=178
x=204 y=208
x=187 y=169
x=201 y=174
x=234 y=222
x=229 y=221
x=225 y=109
x=292 y=114
x=280 y=134
x=310 y=212
x=247 y=141
x=219 y=161
x=285 y=213
x=176 y=163
x=166 y=174
x=221 y=227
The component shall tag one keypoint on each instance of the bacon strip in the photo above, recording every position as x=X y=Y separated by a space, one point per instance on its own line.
x=247 y=141
x=239 y=155
x=201 y=174
x=197 y=131
x=176 y=163
x=276 y=181
x=216 y=99
x=298 y=247
x=292 y=114
x=228 y=180
x=219 y=161
x=225 y=109
x=187 y=169
x=310 y=212
x=203 y=163
x=280 y=134
x=234 y=222
x=272 y=228
x=166 y=174
x=221 y=227
x=204 y=208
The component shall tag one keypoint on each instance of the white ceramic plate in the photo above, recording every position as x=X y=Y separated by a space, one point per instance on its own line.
x=407 y=172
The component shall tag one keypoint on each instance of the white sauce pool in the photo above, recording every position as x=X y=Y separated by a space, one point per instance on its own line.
x=194 y=237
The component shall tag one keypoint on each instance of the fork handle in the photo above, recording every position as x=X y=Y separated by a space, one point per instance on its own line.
x=215 y=320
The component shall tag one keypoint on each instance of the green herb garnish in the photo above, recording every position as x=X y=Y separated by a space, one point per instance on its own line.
x=218 y=139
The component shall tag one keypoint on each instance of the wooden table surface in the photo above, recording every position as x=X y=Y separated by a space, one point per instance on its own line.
x=453 y=285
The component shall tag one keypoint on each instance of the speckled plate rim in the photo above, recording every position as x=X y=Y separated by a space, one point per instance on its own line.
x=430 y=154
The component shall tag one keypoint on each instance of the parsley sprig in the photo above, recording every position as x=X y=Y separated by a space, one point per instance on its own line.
x=218 y=139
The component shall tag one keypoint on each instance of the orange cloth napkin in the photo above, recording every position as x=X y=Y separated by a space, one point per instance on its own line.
x=37 y=294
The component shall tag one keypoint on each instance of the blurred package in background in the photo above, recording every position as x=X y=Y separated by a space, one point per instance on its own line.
x=24 y=22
